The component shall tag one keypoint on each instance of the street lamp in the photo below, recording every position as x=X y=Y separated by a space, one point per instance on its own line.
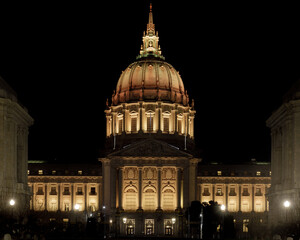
x=12 y=202
x=76 y=207
x=223 y=208
x=286 y=205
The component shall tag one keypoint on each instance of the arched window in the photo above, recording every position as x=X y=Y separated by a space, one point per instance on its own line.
x=149 y=198
x=168 y=198
x=130 y=198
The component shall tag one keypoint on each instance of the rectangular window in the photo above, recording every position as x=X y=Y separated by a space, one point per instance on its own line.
x=179 y=126
x=258 y=192
x=40 y=172
x=219 y=173
x=219 y=192
x=206 y=192
x=53 y=191
x=120 y=125
x=40 y=191
x=258 y=173
x=93 y=191
x=245 y=192
x=79 y=191
x=133 y=124
x=53 y=172
x=232 y=192
x=66 y=191
x=166 y=125
x=150 y=123
x=79 y=172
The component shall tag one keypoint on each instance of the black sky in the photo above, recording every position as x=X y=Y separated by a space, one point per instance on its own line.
x=64 y=60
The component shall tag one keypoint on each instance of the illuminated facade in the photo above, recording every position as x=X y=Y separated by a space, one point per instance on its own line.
x=149 y=176
x=68 y=189
x=14 y=124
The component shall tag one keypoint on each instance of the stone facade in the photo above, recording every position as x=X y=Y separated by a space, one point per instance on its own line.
x=242 y=188
x=285 y=137
x=14 y=124
x=58 y=188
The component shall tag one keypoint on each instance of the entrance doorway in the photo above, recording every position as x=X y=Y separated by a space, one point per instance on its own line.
x=149 y=226
x=168 y=227
x=130 y=227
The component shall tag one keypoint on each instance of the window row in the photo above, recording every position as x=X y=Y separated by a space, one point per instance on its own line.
x=65 y=190
x=149 y=124
x=232 y=191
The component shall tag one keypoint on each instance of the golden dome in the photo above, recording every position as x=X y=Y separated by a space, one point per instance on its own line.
x=150 y=79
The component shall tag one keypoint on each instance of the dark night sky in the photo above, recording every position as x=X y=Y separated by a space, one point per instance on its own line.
x=64 y=60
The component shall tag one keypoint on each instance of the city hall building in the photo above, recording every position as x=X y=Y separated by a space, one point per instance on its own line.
x=150 y=174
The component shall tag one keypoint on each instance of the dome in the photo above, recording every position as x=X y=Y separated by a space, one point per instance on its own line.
x=150 y=79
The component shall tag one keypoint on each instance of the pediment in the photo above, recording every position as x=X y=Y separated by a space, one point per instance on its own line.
x=150 y=148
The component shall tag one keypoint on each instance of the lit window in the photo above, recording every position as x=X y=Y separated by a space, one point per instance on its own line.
x=270 y=173
x=79 y=172
x=28 y=172
x=40 y=172
x=219 y=173
x=245 y=225
x=166 y=124
x=219 y=192
x=258 y=173
x=53 y=172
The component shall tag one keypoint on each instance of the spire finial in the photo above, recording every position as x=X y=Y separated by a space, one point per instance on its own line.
x=150 y=46
x=150 y=25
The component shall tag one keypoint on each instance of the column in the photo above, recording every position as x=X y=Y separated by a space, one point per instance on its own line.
x=178 y=188
x=159 y=188
x=252 y=197
x=192 y=179
x=121 y=170
x=100 y=196
x=226 y=196
x=46 y=196
x=140 y=188
x=240 y=197
x=200 y=193
x=159 y=118
x=85 y=197
x=72 y=196
x=59 y=197
x=106 y=183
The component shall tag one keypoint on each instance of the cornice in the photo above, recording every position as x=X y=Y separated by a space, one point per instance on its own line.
x=60 y=179
x=228 y=180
